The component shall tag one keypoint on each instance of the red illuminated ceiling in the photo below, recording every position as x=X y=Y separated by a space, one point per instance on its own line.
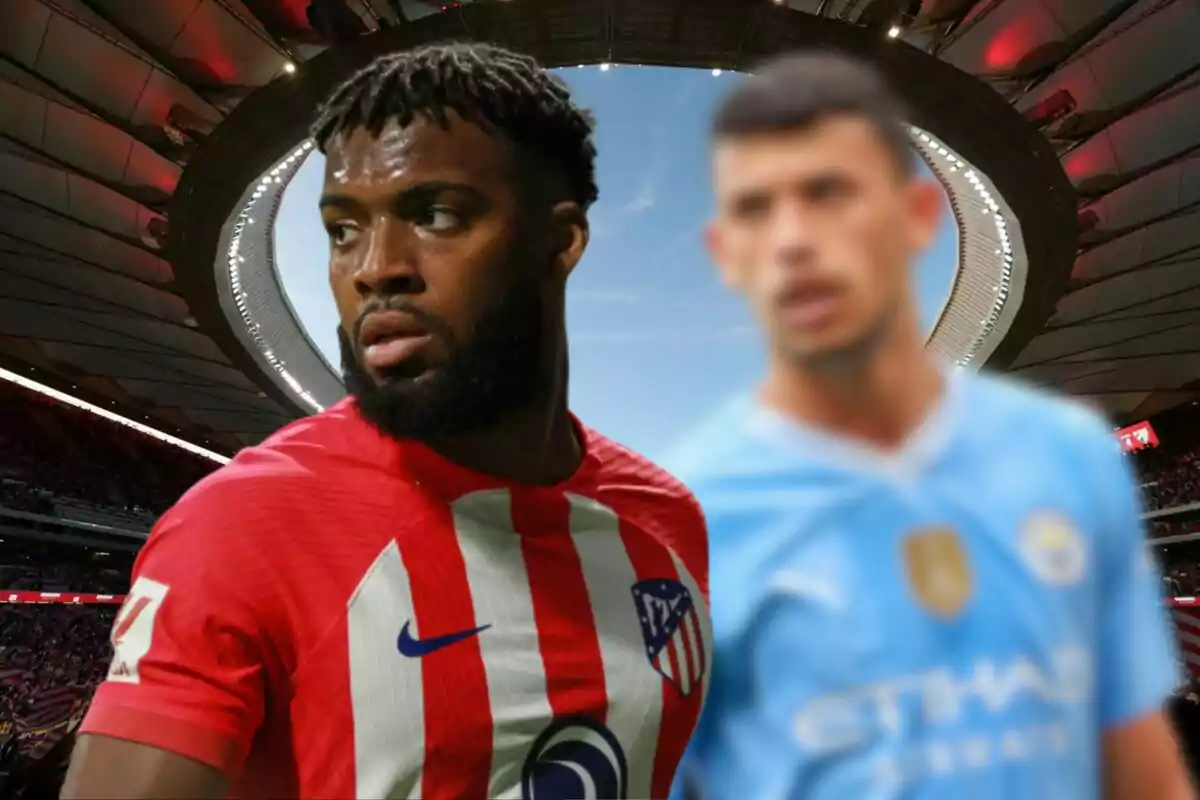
x=1115 y=86
x=103 y=102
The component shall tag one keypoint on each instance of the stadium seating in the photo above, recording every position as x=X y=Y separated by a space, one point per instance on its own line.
x=1170 y=473
x=77 y=496
x=86 y=467
x=51 y=660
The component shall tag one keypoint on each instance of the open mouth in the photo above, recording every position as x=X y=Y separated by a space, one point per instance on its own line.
x=811 y=306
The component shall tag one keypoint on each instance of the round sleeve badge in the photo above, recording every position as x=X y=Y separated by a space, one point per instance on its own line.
x=1054 y=548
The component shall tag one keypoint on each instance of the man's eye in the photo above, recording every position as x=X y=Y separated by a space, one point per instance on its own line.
x=439 y=219
x=828 y=189
x=751 y=208
x=342 y=235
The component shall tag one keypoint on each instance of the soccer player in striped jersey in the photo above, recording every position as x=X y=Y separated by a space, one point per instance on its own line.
x=445 y=586
x=926 y=584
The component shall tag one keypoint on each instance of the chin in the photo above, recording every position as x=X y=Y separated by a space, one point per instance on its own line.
x=828 y=350
x=406 y=373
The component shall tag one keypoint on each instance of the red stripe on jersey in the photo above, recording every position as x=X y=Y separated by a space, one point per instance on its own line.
x=679 y=714
x=126 y=619
x=1187 y=622
x=458 y=714
x=566 y=627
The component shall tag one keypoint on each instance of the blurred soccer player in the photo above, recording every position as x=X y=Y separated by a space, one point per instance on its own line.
x=446 y=587
x=925 y=584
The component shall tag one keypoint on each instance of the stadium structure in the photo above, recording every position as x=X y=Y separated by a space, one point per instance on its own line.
x=143 y=148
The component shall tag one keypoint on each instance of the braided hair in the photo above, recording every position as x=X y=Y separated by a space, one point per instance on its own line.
x=507 y=94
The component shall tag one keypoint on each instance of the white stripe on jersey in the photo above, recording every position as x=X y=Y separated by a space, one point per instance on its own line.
x=385 y=690
x=635 y=712
x=500 y=593
x=701 y=618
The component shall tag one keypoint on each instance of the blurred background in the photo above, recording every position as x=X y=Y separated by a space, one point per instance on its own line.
x=163 y=300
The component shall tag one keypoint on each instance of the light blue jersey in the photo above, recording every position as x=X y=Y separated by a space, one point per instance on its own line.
x=963 y=619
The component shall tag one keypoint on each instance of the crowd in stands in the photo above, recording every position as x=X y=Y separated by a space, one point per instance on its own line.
x=1175 y=481
x=62 y=463
x=48 y=566
x=52 y=656
x=1170 y=473
x=96 y=465
x=51 y=659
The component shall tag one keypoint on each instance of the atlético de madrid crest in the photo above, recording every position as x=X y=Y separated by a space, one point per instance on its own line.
x=671 y=630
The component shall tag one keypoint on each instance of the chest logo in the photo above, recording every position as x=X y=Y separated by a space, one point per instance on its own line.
x=412 y=647
x=1053 y=548
x=671 y=631
x=575 y=757
x=939 y=574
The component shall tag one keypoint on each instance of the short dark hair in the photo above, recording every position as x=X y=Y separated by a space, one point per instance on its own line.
x=796 y=90
x=506 y=93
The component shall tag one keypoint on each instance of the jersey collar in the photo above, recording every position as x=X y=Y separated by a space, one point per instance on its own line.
x=922 y=447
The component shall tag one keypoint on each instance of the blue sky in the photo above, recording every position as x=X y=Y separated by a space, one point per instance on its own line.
x=656 y=341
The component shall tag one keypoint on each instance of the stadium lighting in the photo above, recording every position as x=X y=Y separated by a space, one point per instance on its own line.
x=83 y=405
x=894 y=32
x=235 y=261
x=605 y=67
x=716 y=73
x=990 y=208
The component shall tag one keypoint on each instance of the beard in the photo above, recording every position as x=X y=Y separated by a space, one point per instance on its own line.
x=483 y=379
x=849 y=355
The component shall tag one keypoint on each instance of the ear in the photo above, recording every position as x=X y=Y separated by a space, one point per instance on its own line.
x=925 y=205
x=714 y=239
x=571 y=234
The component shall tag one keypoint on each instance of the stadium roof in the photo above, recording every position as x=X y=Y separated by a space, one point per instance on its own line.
x=107 y=105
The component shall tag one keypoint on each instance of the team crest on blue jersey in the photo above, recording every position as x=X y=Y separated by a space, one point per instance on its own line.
x=1054 y=548
x=671 y=630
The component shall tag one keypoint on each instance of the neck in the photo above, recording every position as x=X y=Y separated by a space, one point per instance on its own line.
x=880 y=398
x=536 y=445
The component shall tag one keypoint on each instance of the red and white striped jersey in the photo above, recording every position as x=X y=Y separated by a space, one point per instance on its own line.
x=1185 y=613
x=337 y=614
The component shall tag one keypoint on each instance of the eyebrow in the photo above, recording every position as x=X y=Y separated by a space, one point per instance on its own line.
x=420 y=191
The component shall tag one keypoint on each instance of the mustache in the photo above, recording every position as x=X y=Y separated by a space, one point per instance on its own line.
x=803 y=290
x=431 y=322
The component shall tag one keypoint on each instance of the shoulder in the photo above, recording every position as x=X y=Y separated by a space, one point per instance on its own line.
x=1046 y=445
x=267 y=492
x=292 y=468
x=1011 y=408
x=633 y=472
x=648 y=495
x=268 y=527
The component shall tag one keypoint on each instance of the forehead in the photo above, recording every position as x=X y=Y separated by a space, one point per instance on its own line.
x=424 y=150
x=844 y=144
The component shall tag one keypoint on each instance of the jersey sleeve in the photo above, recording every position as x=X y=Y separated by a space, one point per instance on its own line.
x=190 y=645
x=1138 y=668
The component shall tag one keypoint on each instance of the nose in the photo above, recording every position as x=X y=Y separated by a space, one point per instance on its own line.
x=790 y=233
x=390 y=264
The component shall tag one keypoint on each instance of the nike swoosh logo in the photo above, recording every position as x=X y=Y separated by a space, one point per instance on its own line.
x=415 y=648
